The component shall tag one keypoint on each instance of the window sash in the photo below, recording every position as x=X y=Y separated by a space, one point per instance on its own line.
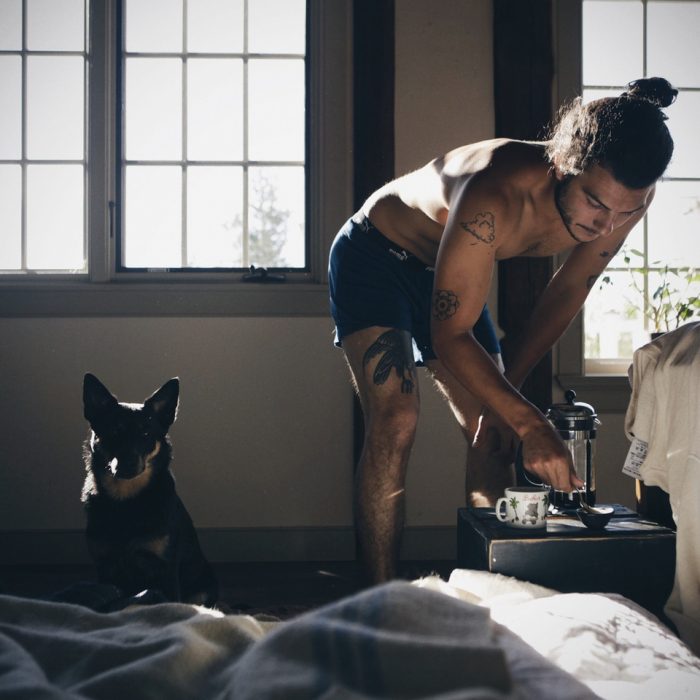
x=28 y=162
x=246 y=162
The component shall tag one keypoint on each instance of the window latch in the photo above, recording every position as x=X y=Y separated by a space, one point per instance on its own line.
x=262 y=275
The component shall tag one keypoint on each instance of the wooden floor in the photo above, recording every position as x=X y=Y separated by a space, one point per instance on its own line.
x=279 y=589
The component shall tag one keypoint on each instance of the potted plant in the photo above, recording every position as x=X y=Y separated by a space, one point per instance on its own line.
x=672 y=296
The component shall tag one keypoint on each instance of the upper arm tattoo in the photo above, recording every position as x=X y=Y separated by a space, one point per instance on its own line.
x=482 y=227
x=445 y=304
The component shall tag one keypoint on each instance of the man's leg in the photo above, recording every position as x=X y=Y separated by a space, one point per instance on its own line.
x=490 y=467
x=381 y=361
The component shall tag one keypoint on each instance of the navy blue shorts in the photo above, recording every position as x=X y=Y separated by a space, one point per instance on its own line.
x=373 y=282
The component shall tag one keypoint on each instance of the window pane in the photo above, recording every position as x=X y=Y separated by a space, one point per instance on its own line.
x=55 y=239
x=11 y=25
x=215 y=26
x=612 y=41
x=590 y=95
x=276 y=217
x=669 y=291
x=55 y=107
x=55 y=25
x=634 y=240
x=153 y=221
x=276 y=122
x=215 y=109
x=277 y=26
x=683 y=125
x=153 y=108
x=153 y=26
x=674 y=224
x=10 y=215
x=10 y=107
x=214 y=216
x=614 y=316
x=673 y=47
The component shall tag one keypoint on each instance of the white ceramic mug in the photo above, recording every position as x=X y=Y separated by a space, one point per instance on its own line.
x=525 y=506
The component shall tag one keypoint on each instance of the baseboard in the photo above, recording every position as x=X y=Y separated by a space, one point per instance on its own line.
x=67 y=547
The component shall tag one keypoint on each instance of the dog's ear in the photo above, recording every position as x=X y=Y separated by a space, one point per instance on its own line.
x=164 y=402
x=97 y=399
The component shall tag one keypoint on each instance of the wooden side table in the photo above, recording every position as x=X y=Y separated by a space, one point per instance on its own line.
x=631 y=556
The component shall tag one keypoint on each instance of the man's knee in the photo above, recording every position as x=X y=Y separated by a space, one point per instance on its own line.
x=393 y=423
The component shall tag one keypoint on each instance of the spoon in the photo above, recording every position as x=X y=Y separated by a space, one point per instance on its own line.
x=591 y=509
x=594 y=518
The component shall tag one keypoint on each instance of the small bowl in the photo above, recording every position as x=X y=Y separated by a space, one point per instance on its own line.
x=595 y=521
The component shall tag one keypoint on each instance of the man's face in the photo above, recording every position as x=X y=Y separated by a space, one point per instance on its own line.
x=594 y=203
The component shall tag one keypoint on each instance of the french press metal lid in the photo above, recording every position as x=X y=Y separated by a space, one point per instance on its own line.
x=573 y=416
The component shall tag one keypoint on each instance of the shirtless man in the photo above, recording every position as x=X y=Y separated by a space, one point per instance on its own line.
x=411 y=271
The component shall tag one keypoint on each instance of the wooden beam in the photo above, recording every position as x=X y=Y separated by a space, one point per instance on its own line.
x=373 y=118
x=523 y=74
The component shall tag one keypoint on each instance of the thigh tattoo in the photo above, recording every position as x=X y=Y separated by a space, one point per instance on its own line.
x=391 y=347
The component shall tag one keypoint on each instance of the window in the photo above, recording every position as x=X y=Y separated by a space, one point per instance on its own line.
x=213 y=145
x=651 y=283
x=42 y=135
x=204 y=146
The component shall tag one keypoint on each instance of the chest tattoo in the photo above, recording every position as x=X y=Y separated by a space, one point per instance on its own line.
x=532 y=248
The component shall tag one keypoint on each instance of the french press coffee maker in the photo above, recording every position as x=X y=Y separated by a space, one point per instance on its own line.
x=576 y=423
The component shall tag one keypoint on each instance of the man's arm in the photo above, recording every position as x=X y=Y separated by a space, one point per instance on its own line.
x=478 y=221
x=563 y=298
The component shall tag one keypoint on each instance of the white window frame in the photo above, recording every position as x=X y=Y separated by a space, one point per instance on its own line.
x=607 y=392
x=105 y=292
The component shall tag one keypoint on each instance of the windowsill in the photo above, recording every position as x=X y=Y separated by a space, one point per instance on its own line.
x=84 y=298
x=609 y=393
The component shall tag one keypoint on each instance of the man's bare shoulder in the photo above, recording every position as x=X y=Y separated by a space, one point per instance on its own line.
x=495 y=157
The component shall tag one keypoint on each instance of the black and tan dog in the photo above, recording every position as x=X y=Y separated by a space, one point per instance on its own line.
x=138 y=531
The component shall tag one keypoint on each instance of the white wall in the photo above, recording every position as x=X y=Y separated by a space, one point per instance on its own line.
x=444 y=78
x=265 y=412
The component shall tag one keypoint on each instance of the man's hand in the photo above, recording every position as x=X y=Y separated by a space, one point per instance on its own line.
x=545 y=455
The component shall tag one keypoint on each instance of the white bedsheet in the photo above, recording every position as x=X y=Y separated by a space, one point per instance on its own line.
x=481 y=640
x=615 y=647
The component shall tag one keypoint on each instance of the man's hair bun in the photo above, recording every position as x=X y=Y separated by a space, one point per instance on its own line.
x=626 y=134
x=658 y=91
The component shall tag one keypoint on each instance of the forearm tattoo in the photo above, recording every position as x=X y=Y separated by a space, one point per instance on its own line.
x=607 y=254
x=445 y=304
x=591 y=281
x=482 y=227
x=394 y=355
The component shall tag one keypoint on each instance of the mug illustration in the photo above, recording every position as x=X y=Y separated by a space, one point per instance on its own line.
x=524 y=507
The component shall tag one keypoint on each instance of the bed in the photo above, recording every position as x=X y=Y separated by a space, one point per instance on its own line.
x=475 y=635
